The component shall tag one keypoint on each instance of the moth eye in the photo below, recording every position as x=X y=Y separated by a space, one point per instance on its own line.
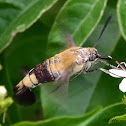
x=90 y=57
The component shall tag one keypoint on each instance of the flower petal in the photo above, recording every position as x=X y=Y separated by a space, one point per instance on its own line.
x=122 y=85
x=117 y=73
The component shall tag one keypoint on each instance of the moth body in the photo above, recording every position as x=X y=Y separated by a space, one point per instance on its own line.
x=60 y=67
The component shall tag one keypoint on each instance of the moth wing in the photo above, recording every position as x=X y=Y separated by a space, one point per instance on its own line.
x=24 y=96
x=24 y=70
x=69 y=40
x=58 y=91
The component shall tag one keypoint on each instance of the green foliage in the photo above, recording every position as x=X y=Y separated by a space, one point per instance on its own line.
x=0 y=67
x=38 y=24
x=121 y=8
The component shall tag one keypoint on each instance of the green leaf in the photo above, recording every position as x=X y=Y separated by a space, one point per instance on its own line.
x=79 y=18
x=62 y=120
x=121 y=9
x=21 y=19
x=94 y=118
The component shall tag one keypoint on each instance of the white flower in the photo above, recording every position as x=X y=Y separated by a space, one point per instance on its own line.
x=122 y=85
x=3 y=92
x=118 y=73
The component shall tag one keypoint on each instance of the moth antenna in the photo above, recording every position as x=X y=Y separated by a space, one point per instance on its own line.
x=103 y=29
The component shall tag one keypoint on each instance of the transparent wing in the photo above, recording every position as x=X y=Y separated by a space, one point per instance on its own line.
x=69 y=40
x=58 y=91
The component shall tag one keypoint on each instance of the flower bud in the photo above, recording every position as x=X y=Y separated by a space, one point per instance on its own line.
x=3 y=92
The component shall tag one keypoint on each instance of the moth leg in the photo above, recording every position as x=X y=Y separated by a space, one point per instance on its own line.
x=89 y=71
x=121 y=63
x=107 y=64
x=103 y=70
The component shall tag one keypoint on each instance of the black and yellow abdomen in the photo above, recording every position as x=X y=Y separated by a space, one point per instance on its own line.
x=41 y=74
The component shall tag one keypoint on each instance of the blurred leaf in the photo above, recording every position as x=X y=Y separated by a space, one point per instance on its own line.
x=121 y=9
x=124 y=99
x=94 y=118
x=0 y=67
x=21 y=19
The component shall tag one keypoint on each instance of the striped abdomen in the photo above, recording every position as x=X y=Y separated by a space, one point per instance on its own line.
x=50 y=70
x=42 y=73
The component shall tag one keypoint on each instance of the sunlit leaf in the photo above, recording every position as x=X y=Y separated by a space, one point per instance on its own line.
x=121 y=9
x=19 y=19
x=79 y=18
